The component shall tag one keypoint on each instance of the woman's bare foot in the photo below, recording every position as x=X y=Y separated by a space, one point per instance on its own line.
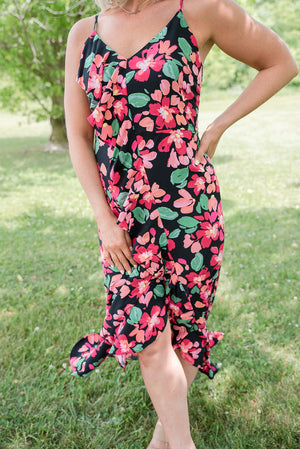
x=158 y=439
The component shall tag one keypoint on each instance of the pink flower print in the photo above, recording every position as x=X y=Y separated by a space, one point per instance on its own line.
x=138 y=333
x=164 y=113
x=145 y=299
x=119 y=318
x=164 y=48
x=212 y=203
x=216 y=259
x=186 y=202
x=152 y=196
x=95 y=83
x=147 y=62
x=193 y=243
x=122 y=138
x=117 y=281
x=190 y=351
x=143 y=239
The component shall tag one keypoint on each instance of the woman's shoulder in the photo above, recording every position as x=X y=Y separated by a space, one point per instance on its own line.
x=81 y=30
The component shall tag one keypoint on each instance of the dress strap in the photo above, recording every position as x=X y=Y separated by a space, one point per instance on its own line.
x=180 y=6
x=96 y=21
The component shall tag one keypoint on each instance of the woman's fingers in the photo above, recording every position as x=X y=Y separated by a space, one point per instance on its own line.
x=129 y=249
x=208 y=143
x=118 y=251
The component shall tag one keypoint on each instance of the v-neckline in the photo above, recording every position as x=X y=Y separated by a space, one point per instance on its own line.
x=144 y=46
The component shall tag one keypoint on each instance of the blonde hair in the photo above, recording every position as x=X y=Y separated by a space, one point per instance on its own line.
x=107 y=4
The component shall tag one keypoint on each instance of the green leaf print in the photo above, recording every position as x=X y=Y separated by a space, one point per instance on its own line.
x=176 y=299
x=159 y=291
x=97 y=146
x=188 y=222
x=115 y=127
x=167 y=214
x=160 y=35
x=93 y=102
x=197 y=262
x=108 y=71
x=185 y=47
x=138 y=100
x=174 y=234
x=163 y=240
x=112 y=349
x=122 y=198
x=179 y=176
x=116 y=153
x=129 y=76
x=195 y=289
x=183 y=23
x=141 y=215
x=204 y=201
x=138 y=348
x=171 y=70
x=89 y=60
x=135 y=315
x=125 y=159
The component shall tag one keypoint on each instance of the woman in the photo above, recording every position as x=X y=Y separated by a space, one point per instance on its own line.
x=132 y=126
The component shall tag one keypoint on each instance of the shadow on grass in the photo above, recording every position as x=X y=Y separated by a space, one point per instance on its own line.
x=52 y=294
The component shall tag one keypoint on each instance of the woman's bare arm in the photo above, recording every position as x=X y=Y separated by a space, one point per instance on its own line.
x=116 y=242
x=245 y=39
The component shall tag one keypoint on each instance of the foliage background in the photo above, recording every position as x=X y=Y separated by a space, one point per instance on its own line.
x=33 y=37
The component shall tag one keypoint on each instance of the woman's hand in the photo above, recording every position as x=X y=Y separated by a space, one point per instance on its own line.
x=116 y=244
x=208 y=142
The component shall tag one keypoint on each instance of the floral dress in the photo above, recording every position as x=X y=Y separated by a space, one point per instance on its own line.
x=144 y=112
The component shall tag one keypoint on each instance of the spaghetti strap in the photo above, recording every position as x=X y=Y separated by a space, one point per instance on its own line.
x=96 y=21
x=180 y=7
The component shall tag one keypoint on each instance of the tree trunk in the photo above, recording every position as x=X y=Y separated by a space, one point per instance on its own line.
x=58 y=136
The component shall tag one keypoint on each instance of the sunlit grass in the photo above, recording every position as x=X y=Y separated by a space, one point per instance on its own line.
x=52 y=294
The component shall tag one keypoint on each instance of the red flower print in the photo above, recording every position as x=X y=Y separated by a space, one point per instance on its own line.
x=153 y=321
x=176 y=137
x=147 y=62
x=164 y=113
x=141 y=287
x=148 y=254
x=197 y=278
x=123 y=346
x=197 y=183
x=190 y=351
x=209 y=229
x=190 y=112
x=120 y=108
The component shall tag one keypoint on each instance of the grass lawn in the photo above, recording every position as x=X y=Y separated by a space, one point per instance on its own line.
x=52 y=294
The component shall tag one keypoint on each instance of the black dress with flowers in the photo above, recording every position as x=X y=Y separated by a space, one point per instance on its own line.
x=144 y=112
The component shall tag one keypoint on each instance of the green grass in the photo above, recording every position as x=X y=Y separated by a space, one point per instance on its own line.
x=52 y=293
